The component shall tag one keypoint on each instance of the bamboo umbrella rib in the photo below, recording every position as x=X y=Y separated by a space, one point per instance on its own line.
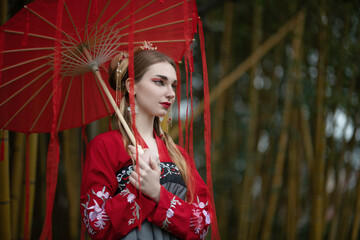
x=106 y=52
x=65 y=102
x=24 y=87
x=44 y=107
x=27 y=102
x=100 y=15
x=87 y=18
x=21 y=76
x=23 y=63
x=102 y=95
x=162 y=25
x=161 y=11
x=48 y=22
x=32 y=35
x=103 y=48
x=147 y=17
x=72 y=21
x=79 y=60
x=28 y=49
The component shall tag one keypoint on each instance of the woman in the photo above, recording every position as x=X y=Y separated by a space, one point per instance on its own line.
x=173 y=203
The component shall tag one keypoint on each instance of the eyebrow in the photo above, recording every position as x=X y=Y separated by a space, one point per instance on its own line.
x=165 y=78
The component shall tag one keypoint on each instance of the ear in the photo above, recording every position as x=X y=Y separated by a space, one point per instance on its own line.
x=127 y=83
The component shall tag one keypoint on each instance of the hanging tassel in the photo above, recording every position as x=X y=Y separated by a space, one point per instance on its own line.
x=178 y=93
x=2 y=46
x=27 y=190
x=207 y=134
x=53 y=155
x=187 y=109
x=191 y=138
x=26 y=30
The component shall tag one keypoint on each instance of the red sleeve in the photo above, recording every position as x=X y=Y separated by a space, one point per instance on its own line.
x=104 y=214
x=184 y=220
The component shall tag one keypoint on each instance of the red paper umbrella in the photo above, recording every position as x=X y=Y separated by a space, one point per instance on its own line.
x=87 y=33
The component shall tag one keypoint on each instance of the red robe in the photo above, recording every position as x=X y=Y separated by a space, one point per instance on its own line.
x=108 y=213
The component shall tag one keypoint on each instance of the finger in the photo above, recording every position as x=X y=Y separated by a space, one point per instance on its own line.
x=134 y=182
x=134 y=175
x=154 y=164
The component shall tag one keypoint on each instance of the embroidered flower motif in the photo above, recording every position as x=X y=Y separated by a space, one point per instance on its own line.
x=200 y=219
x=170 y=212
x=130 y=198
x=207 y=217
x=96 y=213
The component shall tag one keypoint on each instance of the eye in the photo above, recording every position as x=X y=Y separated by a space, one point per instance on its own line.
x=158 y=81
x=174 y=85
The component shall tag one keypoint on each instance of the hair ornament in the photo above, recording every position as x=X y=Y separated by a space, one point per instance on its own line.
x=147 y=46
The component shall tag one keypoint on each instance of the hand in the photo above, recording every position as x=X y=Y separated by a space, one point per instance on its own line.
x=145 y=155
x=149 y=173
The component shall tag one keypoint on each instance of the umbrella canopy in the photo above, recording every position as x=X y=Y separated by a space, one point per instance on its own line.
x=100 y=28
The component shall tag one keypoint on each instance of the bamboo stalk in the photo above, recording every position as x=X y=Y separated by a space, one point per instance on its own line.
x=251 y=154
x=292 y=196
x=218 y=132
x=356 y=221
x=233 y=76
x=72 y=169
x=16 y=182
x=284 y=134
x=5 y=215
x=33 y=154
x=317 y=208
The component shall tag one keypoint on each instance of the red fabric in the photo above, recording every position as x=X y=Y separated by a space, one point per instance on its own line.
x=207 y=133
x=53 y=150
x=105 y=156
x=26 y=30
x=27 y=190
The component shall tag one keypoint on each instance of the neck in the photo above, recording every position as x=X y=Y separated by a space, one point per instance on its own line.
x=145 y=126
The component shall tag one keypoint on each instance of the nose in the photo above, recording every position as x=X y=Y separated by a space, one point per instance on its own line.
x=170 y=93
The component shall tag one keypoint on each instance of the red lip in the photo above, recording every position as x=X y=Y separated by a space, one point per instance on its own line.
x=165 y=104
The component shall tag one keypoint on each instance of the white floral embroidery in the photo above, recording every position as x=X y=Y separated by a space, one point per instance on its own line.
x=170 y=212
x=136 y=208
x=130 y=198
x=200 y=219
x=96 y=212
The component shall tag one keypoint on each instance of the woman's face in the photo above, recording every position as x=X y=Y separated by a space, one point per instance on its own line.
x=155 y=92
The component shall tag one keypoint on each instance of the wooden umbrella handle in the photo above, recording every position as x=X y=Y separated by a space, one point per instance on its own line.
x=95 y=68
x=117 y=111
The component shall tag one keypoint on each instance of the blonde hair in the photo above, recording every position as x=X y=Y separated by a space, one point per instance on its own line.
x=118 y=71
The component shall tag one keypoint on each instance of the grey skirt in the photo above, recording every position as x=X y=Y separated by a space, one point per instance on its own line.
x=150 y=231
